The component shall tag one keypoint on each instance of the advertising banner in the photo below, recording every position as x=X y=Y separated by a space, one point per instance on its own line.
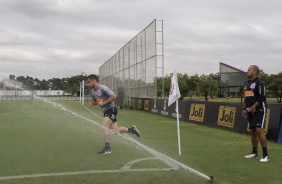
x=226 y=116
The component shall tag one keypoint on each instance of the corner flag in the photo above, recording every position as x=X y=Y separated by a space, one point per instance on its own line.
x=174 y=95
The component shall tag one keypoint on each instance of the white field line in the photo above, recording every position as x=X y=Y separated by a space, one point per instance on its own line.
x=171 y=164
x=80 y=173
x=125 y=168
x=169 y=161
x=129 y=164
x=166 y=159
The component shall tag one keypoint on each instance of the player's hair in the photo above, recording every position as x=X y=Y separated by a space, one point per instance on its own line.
x=93 y=77
x=256 y=69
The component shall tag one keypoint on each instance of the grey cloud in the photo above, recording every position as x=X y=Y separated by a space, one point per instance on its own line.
x=59 y=38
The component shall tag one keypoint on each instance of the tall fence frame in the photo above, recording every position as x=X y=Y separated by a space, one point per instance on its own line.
x=138 y=65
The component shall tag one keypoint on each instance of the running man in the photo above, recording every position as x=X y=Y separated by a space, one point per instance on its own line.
x=254 y=110
x=104 y=97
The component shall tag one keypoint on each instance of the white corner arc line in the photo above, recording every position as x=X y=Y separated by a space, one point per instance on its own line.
x=129 y=164
x=169 y=161
x=166 y=159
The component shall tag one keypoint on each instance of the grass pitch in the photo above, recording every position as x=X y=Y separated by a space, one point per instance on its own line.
x=57 y=142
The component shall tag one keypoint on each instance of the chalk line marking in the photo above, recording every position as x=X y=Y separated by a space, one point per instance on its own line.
x=80 y=173
x=169 y=161
x=125 y=168
x=129 y=164
x=166 y=159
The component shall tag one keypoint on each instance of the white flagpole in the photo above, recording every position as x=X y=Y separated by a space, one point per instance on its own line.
x=174 y=94
x=178 y=130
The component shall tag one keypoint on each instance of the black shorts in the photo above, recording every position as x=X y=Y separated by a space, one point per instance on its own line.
x=258 y=119
x=112 y=114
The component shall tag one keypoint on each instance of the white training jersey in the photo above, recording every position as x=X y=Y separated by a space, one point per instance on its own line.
x=104 y=93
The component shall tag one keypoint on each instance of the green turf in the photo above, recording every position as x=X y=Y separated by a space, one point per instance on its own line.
x=41 y=138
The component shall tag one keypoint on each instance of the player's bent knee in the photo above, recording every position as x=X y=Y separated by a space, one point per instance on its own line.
x=104 y=128
x=116 y=130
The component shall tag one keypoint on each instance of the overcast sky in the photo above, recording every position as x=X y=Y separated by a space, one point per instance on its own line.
x=48 y=39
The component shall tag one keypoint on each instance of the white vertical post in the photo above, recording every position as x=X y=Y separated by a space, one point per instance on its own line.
x=178 y=130
x=80 y=92
x=83 y=92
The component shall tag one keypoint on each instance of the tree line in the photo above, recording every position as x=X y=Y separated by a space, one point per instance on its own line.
x=204 y=85
x=195 y=85
x=273 y=84
x=209 y=85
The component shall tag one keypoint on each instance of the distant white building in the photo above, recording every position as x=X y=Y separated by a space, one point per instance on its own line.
x=34 y=92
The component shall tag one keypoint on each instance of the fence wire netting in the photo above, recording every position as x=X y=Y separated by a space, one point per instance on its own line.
x=137 y=65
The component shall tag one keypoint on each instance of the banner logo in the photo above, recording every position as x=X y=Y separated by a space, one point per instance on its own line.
x=164 y=112
x=133 y=105
x=154 y=110
x=146 y=105
x=175 y=115
x=197 y=112
x=139 y=104
x=226 y=116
